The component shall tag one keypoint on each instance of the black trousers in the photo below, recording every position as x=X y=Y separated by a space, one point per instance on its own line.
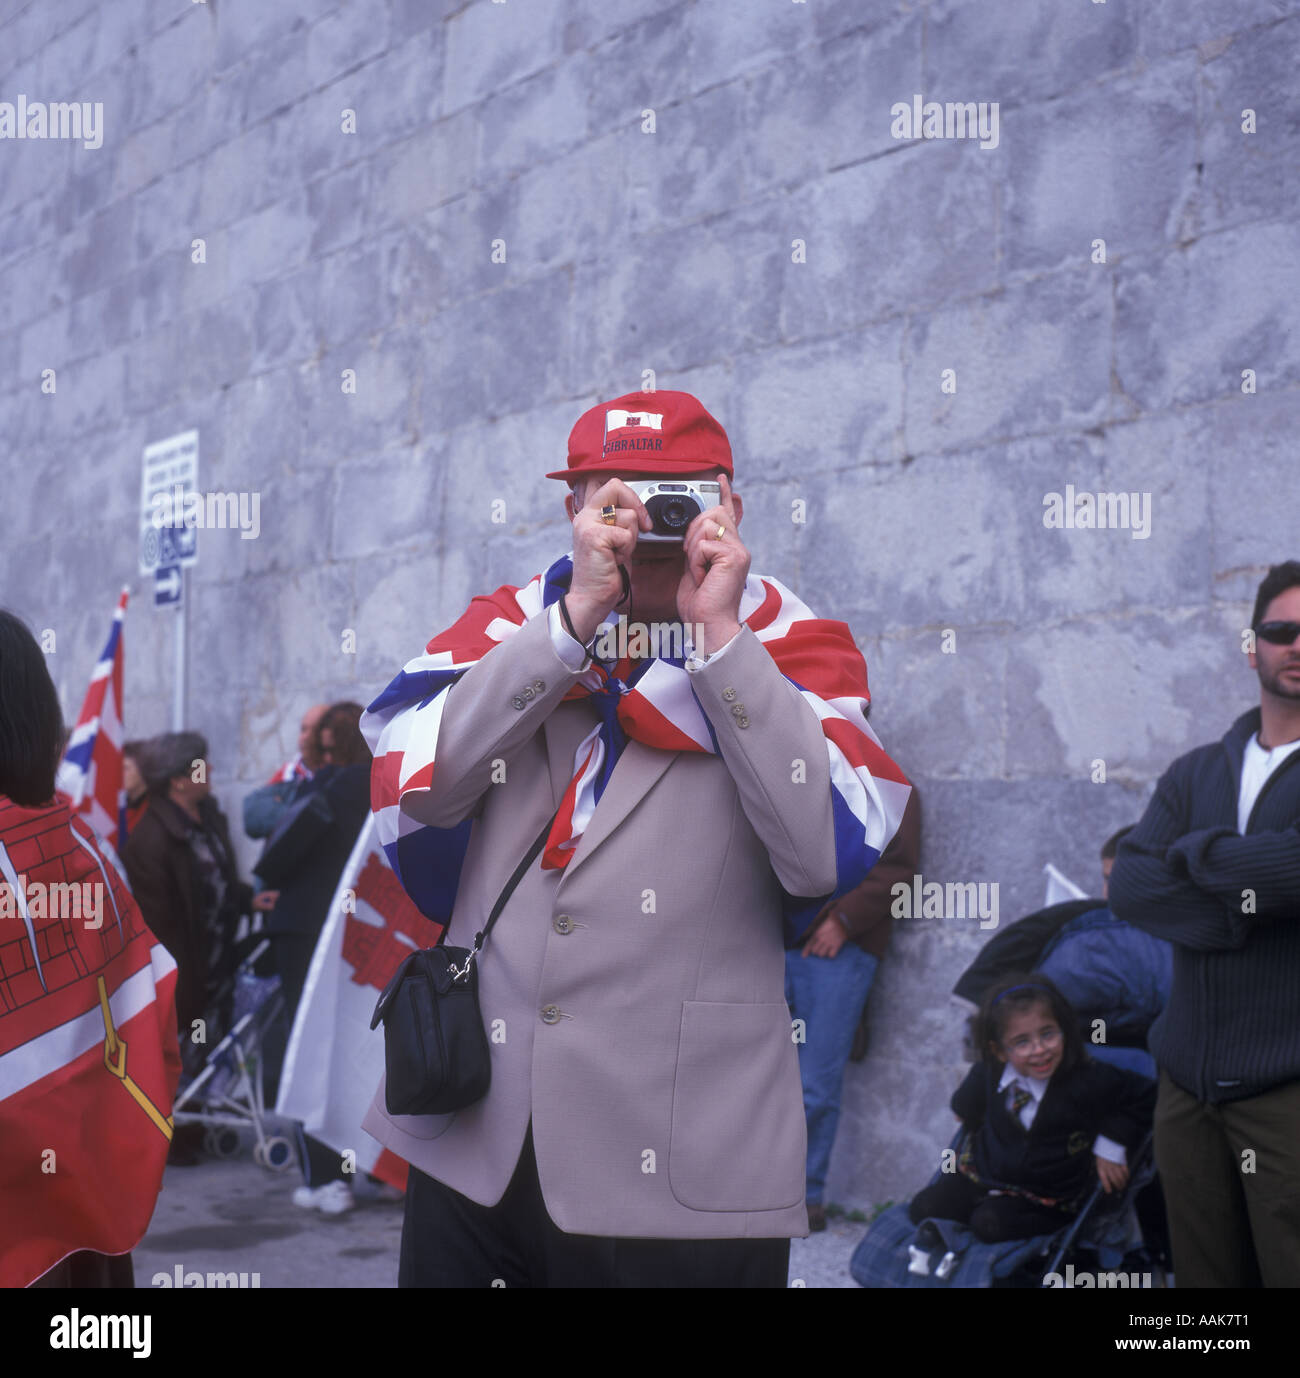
x=991 y=1218
x=291 y=955
x=450 y=1241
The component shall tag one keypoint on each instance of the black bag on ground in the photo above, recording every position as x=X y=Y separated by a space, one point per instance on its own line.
x=436 y=1055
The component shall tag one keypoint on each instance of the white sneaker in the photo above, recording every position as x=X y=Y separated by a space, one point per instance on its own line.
x=306 y=1196
x=335 y=1198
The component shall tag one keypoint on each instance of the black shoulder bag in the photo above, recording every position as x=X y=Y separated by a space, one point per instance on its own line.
x=436 y=1054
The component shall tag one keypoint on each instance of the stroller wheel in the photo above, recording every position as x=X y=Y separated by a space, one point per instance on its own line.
x=225 y=1142
x=278 y=1154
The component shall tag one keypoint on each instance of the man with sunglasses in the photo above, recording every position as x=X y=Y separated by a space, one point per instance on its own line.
x=1214 y=866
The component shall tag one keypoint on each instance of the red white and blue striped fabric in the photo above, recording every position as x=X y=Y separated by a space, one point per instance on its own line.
x=651 y=701
x=290 y=771
x=91 y=771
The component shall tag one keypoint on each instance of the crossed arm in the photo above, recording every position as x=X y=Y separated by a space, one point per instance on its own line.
x=1206 y=889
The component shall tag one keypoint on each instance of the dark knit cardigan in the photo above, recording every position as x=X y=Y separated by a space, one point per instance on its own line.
x=1230 y=904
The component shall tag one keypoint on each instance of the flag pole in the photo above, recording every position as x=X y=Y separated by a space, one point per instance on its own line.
x=179 y=661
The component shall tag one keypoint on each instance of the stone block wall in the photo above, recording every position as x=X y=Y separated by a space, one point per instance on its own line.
x=495 y=214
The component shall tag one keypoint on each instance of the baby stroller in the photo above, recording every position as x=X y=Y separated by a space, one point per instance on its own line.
x=226 y=1096
x=1102 y=1241
x=1117 y=979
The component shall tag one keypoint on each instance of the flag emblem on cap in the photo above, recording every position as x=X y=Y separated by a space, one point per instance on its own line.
x=615 y=419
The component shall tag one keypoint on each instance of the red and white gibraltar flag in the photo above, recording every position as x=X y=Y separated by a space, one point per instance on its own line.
x=88 y=1054
x=91 y=771
x=616 y=420
x=334 y=1061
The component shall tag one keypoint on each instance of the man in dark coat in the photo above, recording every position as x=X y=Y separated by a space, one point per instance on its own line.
x=1214 y=866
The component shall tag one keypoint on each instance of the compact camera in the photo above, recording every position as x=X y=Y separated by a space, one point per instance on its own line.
x=673 y=504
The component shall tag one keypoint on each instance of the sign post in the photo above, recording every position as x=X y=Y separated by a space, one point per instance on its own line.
x=169 y=539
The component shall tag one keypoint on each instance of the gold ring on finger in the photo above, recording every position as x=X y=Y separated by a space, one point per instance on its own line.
x=722 y=531
x=609 y=514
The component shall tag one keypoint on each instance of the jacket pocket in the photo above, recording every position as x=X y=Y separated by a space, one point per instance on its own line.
x=738 y=1141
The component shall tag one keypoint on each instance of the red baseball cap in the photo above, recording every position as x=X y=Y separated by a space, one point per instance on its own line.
x=648 y=433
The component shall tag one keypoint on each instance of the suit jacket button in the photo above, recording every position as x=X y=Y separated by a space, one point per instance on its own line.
x=539 y=686
x=530 y=692
x=562 y=923
x=742 y=722
x=551 y=1014
x=737 y=710
x=517 y=701
x=728 y=693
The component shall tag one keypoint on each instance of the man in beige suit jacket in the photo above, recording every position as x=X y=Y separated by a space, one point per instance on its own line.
x=645 y=1084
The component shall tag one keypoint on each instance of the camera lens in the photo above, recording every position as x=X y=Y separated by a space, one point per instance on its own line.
x=671 y=515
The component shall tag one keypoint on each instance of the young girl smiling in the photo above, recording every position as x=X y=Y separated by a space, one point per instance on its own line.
x=1038 y=1114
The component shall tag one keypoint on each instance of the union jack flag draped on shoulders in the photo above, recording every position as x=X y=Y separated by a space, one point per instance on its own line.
x=650 y=700
x=91 y=772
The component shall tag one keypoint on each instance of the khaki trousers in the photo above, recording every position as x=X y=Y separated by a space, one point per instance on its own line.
x=1231 y=1180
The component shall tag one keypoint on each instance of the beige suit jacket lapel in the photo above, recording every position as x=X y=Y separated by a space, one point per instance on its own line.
x=637 y=770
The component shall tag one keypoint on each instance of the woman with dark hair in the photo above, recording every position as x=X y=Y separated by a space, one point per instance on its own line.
x=84 y=1133
x=1039 y=1113
x=338 y=736
x=304 y=859
x=182 y=868
x=134 y=785
x=306 y=853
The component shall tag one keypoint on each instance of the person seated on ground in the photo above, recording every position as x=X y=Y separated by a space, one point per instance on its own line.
x=1038 y=1113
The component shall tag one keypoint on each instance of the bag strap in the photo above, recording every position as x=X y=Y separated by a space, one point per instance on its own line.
x=462 y=973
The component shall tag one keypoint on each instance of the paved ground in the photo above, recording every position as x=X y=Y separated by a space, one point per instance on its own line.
x=822 y=1260
x=231 y=1216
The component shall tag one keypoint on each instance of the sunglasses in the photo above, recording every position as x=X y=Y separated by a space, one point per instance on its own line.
x=1278 y=633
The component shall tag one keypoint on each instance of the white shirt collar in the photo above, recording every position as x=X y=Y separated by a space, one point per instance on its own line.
x=1268 y=752
x=1034 y=1085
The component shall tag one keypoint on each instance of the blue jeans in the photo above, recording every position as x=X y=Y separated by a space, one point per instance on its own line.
x=829 y=995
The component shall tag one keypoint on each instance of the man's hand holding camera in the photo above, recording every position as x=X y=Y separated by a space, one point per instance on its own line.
x=599 y=550
x=717 y=565
x=716 y=562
